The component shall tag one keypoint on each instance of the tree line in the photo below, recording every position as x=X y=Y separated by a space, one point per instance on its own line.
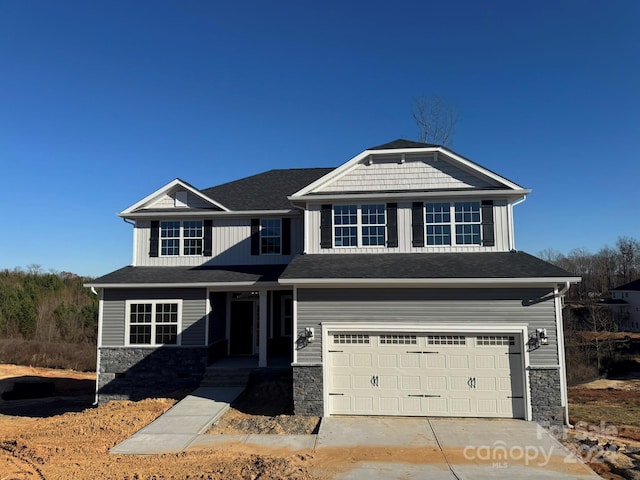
x=602 y=271
x=51 y=307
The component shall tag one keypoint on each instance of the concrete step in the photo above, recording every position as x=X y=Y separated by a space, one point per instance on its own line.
x=226 y=377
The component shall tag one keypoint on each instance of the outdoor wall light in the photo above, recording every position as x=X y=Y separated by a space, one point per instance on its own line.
x=308 y=333
x=542 y=336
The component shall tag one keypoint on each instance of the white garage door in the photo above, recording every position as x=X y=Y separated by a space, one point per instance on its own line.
x=463 y=375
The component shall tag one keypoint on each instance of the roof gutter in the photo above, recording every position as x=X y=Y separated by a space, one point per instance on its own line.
x=433 y=282
x=411 y=195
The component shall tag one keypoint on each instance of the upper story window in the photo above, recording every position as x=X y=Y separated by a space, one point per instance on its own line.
x=359 y=225
x=181 y=237
x=270 y=236
x=153 y=322
x=463 y=230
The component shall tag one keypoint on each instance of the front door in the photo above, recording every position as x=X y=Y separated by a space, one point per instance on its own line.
x=242 y=329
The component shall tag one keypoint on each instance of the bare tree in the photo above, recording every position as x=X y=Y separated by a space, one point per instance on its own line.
x=435 y=118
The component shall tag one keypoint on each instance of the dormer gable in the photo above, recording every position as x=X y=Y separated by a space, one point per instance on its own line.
x=176 y=196
x=405 y=167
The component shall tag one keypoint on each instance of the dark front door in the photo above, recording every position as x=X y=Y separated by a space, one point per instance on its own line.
x=241 y=341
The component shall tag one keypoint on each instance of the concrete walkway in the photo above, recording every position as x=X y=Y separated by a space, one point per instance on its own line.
x=176 y=429
x=378 y=448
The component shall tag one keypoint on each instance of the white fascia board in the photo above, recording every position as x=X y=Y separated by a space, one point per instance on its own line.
x=423 y=327
x=426 y=282
x=509 y=194
x=210 y=214
x=184 y=285
x=166 y=188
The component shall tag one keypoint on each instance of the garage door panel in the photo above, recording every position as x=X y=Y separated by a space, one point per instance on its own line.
x=387 y=360
x=410 y=360
x=436 y=361
x=439 y=375
x=363 y=404
x=460 y=406
x=459 y=361
x=485 y=361
x=362 y=360
x=436 y=383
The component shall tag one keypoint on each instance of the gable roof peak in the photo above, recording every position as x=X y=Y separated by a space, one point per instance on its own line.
x=401 y=143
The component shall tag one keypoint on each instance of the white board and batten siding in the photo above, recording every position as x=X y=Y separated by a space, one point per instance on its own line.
x=194 y=311
x=231 y=245
x=472 y=307
x=501 y=231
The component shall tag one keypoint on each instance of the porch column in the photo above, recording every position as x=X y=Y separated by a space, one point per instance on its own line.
x=262 y=319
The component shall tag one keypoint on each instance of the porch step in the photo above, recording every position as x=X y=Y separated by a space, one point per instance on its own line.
x=226 y=376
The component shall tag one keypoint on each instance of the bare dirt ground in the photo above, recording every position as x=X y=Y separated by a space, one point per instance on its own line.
x=75 y=445
x=40 y=442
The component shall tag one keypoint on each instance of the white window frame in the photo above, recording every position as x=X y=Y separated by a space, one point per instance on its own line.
x=181 y=238
x=154 y=304
x=452 y=224
x=279 y=237
x=359 y=225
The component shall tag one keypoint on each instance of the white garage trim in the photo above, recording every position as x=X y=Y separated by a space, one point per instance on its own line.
x=516 y=328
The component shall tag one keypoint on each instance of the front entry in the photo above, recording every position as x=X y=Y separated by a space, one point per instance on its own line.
x=243 y=329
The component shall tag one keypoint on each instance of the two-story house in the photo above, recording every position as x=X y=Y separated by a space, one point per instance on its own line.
x=390 y=284
x=625 y=303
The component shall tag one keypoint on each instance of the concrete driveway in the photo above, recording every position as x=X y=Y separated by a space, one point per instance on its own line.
x=378 y=448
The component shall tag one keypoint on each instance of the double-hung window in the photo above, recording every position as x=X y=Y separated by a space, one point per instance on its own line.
x=359 y=225
x=457 y=223
x=270 y=236
x=181 y=238
x=153 y=322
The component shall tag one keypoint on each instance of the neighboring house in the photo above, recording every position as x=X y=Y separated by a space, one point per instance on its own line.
x=391 y=284
x=625 y=302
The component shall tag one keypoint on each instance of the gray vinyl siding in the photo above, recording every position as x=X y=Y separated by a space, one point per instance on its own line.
x=231 y=245
x=501 y=229
x=480 y=307
x=194 y=305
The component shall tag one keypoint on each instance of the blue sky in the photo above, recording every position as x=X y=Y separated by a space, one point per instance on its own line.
x=102 y=103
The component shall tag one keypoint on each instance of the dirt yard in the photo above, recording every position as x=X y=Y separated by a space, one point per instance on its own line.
x=65 y=438
x=75 y=445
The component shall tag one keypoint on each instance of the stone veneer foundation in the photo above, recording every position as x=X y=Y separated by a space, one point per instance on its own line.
x=137 y=373
x=307 y=390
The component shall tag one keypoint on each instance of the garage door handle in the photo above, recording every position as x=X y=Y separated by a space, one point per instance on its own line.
x=471 y=382
x=342 y=394
x=374 y=381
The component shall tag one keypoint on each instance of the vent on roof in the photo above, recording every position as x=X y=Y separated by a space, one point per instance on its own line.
x=181 y=198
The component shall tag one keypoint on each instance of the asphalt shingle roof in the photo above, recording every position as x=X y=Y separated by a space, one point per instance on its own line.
x=420 y=266
x=402 y=143
x=204 y=275
x=264 y=191
x=632 y=286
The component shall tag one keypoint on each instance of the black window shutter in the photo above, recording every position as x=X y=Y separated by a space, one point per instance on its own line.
x=154 y=240
x=417 y=224
x=488 y=234
x=392 y=225
x=207 y=249
x=255 y=236
x=286 y=236
x=326 y=226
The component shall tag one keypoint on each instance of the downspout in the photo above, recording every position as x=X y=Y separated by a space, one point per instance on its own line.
x=135 y=241
x=99 y=342
x=561 y=356
x=512 y=235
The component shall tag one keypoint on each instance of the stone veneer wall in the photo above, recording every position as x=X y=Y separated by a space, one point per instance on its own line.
x=307 y=390
x=137 y=373
x=546 y=403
